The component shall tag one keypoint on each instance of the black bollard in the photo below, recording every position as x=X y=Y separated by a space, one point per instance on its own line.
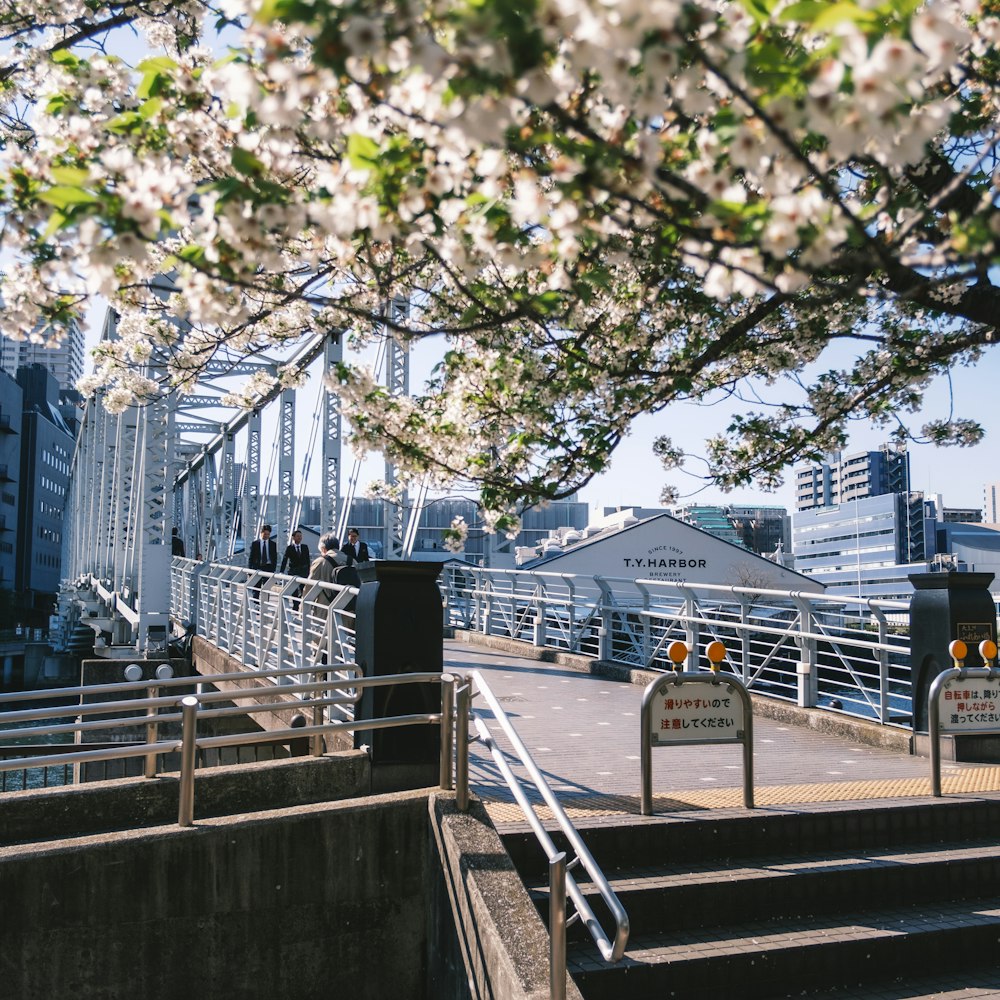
x=399 y=631
x=946 y=606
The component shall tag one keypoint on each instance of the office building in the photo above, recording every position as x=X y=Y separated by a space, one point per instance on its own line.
x=63 y=360
x=962 y=515
x=48 y=431
x=37 y=434
x=762 y=529
x=712 y=519
x=991 y=503
x=852 y=477
x=867 y=547
x=11 y=405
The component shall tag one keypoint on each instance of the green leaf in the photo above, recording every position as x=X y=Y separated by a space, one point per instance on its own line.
x=804 y=12
x=62 y=196
x=56 y=221
x=70 y=176
x=362 y=151
x=64 y=57
x=127 y=121
x=149 y=108
x=245 y=162
x=192 y=253
x=151 y=85
x=278 y=10
x=158 y=64
x=837 y=13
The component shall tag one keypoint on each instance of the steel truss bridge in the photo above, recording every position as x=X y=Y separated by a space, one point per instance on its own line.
x=196 y=463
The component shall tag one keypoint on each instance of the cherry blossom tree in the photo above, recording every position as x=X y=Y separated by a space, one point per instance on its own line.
x=599 y=207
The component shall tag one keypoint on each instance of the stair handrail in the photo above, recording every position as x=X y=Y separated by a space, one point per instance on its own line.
x=560 y=870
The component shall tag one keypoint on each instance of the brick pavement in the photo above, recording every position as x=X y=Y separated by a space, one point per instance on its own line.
x=583 y=732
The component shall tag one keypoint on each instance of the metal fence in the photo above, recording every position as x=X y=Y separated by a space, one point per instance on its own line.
x=846 y=655
x=45 y=733
x=265 y=620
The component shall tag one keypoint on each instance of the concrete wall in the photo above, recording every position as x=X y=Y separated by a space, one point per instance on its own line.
x=317 y=901
x=387 y=896
x=494 y=945
x=95 y=807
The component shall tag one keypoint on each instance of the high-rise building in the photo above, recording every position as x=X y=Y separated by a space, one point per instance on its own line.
x=991 y=503
x=64 y=361
x=866 y=547
x=852 y=477
x=11 y=405
x=47 y=438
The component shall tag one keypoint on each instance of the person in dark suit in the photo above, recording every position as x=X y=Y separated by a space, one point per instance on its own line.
x=264 y=552
x=176 y=543
x=355 y=549
x=296 y=557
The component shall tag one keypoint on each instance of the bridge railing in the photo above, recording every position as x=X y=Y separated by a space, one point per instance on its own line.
x=266 y=620
x=48 y=730
x=846 y=655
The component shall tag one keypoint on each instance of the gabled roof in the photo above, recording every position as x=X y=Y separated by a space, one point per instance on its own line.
x=670 y=557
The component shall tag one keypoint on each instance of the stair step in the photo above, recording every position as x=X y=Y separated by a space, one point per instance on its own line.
x=748 y=834
x=958 y=984
x=787 y=957
x=678 y=896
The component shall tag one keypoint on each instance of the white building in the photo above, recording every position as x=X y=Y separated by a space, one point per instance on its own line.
x=659 y=547
x=991 y=503
x=65 y=360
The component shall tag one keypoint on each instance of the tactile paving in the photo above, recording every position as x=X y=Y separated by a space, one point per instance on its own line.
x=580 y=806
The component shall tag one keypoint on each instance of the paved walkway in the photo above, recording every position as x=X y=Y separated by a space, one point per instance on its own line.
x=583 y=732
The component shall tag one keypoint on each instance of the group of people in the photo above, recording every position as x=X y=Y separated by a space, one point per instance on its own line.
x=335 y=563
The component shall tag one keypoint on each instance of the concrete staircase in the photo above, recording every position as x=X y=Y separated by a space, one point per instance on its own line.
x=860 y=900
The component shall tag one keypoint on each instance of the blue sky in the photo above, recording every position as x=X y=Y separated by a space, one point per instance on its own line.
x=959 y=474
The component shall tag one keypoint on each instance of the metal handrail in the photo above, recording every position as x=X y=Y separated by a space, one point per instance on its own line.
x=769 y=630
x=826 y=648
x=188 y=710
x=611 y=950
x=155 y=747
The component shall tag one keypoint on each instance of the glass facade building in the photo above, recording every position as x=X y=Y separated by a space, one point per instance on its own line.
x=64 y=360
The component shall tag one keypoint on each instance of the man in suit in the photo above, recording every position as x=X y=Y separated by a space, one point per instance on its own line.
x=296 y=557
x=355 y=549
x=264 y=552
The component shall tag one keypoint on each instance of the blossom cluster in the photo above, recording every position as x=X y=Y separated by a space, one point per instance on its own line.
x=599 y=206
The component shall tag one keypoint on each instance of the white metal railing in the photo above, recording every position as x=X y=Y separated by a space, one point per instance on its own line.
x=265 y=620
x=132 y=715
x=847 y=655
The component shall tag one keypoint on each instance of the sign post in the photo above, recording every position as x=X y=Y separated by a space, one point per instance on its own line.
x=963 y=700
x=683 y=709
